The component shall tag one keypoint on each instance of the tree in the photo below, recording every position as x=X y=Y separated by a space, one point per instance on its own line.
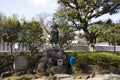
x=43 y=19
x=111 y=34
x=3 y=21
x=66 y=34
x=100 y=28
x=1 y=26
x=107 y=32
x=45 y=25
x=80 y=13
x=31 y=34
x=10 y=30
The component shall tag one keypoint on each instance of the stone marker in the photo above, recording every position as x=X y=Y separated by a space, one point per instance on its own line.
x=20 y=62
x=60 y=62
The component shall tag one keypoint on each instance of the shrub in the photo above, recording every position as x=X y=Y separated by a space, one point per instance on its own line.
x=5 y=60
x=94 y=58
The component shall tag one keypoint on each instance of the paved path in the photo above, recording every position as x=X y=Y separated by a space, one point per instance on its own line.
x=98 y=77
x=69 y=77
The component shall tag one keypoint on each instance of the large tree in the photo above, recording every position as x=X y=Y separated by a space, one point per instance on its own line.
x=80 y=13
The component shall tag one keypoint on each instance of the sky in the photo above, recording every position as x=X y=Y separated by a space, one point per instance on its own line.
x=32 y=8
x=27 y=8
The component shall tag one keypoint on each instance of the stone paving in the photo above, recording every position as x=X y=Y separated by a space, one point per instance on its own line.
x=69 y=77
x=97 y=77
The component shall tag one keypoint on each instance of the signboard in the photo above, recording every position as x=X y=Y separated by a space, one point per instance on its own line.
x=72 y=60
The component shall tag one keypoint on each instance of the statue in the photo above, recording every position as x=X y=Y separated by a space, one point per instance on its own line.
x=54 y=34
x=53 y=60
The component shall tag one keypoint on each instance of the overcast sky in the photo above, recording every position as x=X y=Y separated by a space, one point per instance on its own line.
x=28 y=8
x=31 y=8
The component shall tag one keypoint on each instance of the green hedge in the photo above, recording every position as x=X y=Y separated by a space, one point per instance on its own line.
x=96 y=58
x=5 y=60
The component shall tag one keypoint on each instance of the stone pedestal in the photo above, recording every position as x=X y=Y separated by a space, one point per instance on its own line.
x=59 y=69
x=53 y=61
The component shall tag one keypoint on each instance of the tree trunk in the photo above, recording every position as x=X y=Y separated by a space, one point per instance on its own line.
x=114 y=44
x=91 y=47
x=11 y=51
x=91 y=39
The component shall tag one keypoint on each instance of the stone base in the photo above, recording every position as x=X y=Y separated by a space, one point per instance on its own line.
x=58 y=70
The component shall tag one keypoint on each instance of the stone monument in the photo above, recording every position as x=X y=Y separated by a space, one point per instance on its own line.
x=20 y=62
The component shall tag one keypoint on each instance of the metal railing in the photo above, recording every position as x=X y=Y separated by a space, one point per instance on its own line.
x=5 y=47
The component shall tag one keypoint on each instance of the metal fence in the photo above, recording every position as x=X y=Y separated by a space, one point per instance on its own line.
x=5 y=47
